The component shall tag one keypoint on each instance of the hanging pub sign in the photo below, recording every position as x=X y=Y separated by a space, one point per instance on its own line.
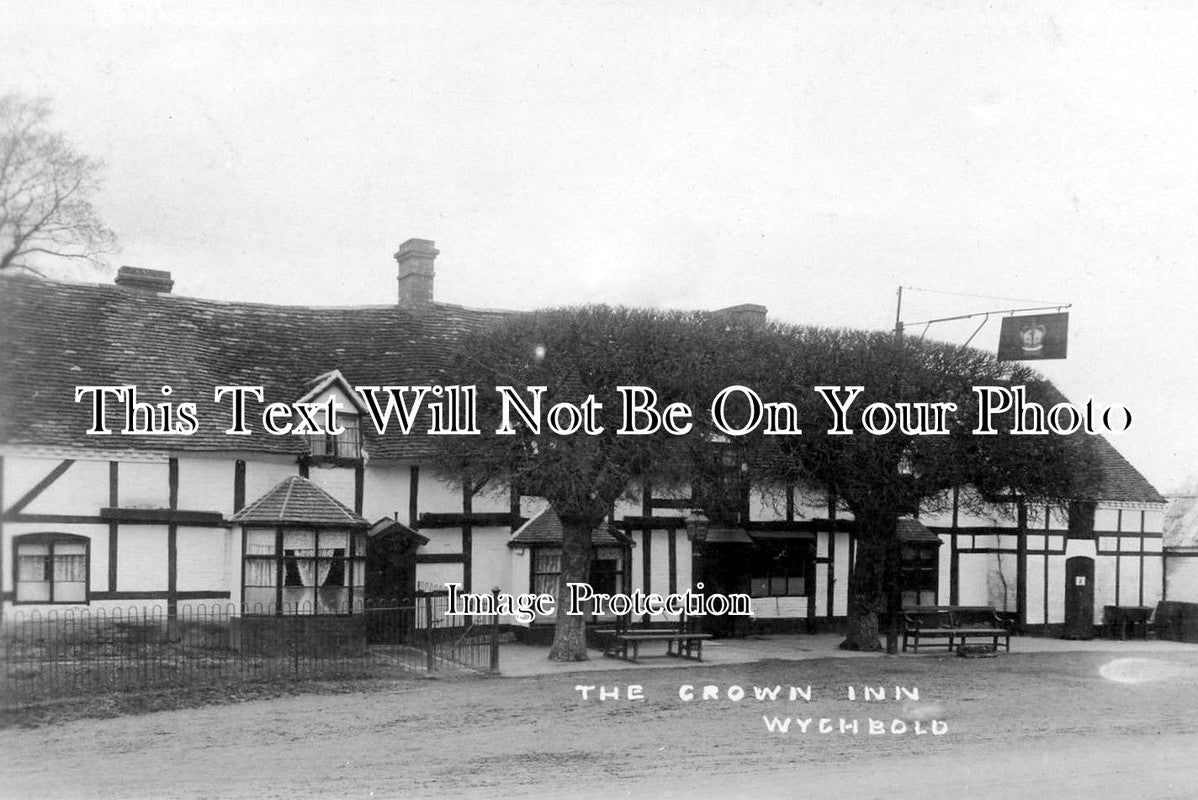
x=1035 y=337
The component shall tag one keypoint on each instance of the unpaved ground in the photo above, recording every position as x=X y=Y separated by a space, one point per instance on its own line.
x=1018 y=726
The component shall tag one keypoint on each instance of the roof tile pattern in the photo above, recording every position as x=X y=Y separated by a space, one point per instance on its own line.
x=546 y=529
x=297 y=500
x=56 y=336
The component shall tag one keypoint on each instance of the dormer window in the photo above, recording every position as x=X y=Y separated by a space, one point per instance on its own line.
x=346 y=446
x=338 y=445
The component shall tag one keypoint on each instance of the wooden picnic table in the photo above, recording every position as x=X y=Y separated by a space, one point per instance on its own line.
x=1121 y=620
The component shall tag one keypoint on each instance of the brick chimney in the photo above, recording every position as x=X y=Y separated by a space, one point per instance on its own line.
x=146 y=280
x=748 y=313
x=415 y=258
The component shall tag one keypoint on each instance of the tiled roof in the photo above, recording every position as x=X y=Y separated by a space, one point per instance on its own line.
x=56 y=336
x=546 y=528
x=1121 y=482
x=297 y=501
x=912 y=530
x=387 y=528
x=1181 y=522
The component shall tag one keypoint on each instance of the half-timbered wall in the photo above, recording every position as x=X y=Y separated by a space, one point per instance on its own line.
x=157 y=534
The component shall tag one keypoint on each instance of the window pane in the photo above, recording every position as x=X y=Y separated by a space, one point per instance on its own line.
x=346 y=445
x=259 y=542
x=331 y=571
x=796 y=586
x=333 y=601
x=333 y=540
x=547 y=560
x=70 y=592
x=777 y=585
x=33 y=591
x=259 y=600
x=759 y=587
x=33 y=550
x=69 y=568
x=30 y=568
x=260 y=572
x=544 y=584
x=70 y=549
x=299 y=599
x=298 y=571
x=302 y=542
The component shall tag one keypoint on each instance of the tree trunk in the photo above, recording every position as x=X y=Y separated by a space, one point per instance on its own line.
x=570 y=633
x=868 y=589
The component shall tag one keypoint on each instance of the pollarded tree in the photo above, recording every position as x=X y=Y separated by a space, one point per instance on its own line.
x=577 y=353
x=880 y=478
x=46 y=191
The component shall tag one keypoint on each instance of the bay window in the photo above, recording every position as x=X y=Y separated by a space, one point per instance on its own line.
x=304 y=570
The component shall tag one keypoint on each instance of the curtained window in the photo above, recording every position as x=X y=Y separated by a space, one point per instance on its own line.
x=606 y=576
x=546 y=569
x=347 y=445
x=304 y=571
x=51 y=568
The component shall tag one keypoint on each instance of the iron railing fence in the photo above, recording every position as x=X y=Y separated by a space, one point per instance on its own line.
x=72 y=653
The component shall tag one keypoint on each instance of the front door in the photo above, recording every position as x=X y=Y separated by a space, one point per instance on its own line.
x=1079 y=598
x=390 y=589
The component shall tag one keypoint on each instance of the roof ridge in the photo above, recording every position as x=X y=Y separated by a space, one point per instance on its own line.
x=287 y=497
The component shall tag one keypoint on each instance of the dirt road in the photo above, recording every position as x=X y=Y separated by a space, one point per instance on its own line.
x=1059 y=725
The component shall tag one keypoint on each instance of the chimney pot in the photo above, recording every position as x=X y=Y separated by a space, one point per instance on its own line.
x=146 y=280
x=415 y=258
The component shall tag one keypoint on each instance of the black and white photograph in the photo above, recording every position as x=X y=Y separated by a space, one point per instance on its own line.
x=639 y=399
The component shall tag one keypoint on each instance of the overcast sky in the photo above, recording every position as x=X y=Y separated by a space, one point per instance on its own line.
x=811 y=157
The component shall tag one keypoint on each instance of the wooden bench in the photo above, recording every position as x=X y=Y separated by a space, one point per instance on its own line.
x=682 y=641
x=952 y=627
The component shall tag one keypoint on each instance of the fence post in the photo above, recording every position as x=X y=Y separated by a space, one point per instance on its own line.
x=495 y=629
x=428 y=626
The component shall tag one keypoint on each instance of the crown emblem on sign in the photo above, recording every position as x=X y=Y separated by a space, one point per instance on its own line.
x=1031 y=338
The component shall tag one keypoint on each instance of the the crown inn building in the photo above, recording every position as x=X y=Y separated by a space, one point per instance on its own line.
x=288 y=524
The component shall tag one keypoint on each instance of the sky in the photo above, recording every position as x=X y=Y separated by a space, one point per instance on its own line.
x=808 y=156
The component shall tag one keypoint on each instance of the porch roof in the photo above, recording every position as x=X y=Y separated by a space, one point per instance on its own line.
x=912 y=530
x=298 y=501
x=546 y=529
x=385 y=528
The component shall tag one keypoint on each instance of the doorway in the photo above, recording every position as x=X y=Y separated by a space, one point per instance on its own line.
x=1079 y=598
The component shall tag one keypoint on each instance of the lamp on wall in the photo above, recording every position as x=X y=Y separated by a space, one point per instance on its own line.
x=697 y=525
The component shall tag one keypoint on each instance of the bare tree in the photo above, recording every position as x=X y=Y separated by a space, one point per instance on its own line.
x=46 y=190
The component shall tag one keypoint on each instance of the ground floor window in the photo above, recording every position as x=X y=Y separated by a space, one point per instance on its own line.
x=919 y=568
x=606 y=576
x=780 y=568
x=51 y=568
x=304 y=571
